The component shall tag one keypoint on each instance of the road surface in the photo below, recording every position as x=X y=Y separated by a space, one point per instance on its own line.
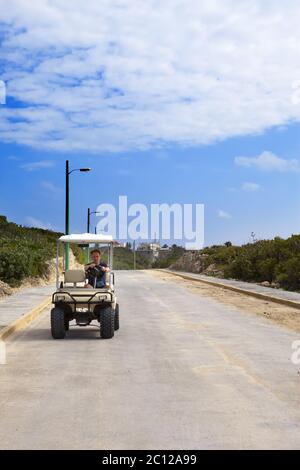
x=183 y=372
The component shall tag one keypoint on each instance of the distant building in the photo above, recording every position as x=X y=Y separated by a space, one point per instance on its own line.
x=153 y=251
x=117 y=244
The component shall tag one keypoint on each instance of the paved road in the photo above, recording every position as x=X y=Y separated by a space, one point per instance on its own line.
x=183 y=372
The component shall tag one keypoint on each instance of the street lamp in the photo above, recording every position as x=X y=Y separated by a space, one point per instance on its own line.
x=89 y=218
x=88 y=229
x=67 y=214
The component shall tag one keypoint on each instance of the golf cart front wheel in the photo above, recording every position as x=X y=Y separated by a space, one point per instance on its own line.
x=117 y=318
x=58 y=325
x=67 y=324
x=107 y=323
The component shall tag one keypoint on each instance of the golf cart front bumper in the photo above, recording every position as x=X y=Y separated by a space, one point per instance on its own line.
x=83 y=299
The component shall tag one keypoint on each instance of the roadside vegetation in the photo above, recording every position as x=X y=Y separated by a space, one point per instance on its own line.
x=272 y=262
x=24 y=251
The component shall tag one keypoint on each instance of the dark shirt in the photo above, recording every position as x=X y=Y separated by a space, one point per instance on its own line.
x=91 y=274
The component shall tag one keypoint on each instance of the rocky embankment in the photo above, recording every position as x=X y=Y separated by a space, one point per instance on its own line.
x=199 y=263
x=5 y=289
x=195 y=262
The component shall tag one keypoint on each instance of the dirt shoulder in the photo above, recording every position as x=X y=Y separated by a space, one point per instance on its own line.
x=287 y=317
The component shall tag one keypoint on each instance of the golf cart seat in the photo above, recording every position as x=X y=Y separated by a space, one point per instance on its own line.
x=74 y=276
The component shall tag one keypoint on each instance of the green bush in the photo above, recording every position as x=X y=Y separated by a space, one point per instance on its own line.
x=24 y=251
x=13 y=265
x=288 y=274
x=240 y=268
x=276 y=260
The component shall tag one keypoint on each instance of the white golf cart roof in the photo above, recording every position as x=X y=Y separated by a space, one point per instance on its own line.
x=85 y=238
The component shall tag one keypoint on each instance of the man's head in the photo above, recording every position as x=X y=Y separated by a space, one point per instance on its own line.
x=96 y=256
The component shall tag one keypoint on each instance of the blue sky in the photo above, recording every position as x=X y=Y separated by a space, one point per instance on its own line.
x=208 y=113
x=265 y=201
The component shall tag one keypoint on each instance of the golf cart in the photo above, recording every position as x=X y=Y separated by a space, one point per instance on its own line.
x=73 y=301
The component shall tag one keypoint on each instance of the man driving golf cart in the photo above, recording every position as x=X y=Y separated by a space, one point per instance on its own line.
x=96 y=271
x=81 y=303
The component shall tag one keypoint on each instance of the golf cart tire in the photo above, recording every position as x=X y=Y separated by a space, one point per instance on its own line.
x=58 y=326
x=107 y=323
x=117 y=318
x=66 y=324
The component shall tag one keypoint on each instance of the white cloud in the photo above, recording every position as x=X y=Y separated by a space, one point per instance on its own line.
x=31 y=166
x=268 y=161
x=161 y=155
x=251 y=187
x=123 y=74
x=2 y=92
x=33 y=222
x=224 y=215
x=13 y=158
x=49 y=186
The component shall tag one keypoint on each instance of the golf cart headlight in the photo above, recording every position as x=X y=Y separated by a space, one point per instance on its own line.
x=59 y=298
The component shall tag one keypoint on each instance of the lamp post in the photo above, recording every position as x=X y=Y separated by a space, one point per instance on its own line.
x=89 y=218
x=67 y=212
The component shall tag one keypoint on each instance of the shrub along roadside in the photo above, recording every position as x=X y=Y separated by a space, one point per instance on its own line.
x=276 y=261
x=24 y=252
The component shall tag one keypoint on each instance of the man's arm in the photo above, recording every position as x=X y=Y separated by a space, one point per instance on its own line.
x=105 y=268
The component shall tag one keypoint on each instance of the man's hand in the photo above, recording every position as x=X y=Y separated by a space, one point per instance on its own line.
x=93 y=265
x=88 y=266
x=104 y=269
